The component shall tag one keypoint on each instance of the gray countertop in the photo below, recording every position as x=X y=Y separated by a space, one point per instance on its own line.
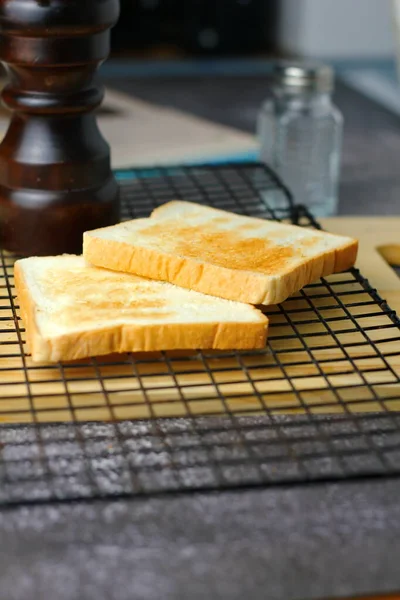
x=371 y=148
x=305 y=542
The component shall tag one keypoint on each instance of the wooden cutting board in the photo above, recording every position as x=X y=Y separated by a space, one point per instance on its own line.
x=379 y=247
x=312 y=373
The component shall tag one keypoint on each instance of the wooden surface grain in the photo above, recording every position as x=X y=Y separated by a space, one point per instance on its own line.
x=379 y=239
x=115 y=388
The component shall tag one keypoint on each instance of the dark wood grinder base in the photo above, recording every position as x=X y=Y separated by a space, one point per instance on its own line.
x=55 y=176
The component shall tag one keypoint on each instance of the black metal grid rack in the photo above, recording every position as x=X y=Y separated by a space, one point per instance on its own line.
x=321 y=402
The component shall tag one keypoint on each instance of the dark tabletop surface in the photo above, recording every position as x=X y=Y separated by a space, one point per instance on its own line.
x=371 y=148
x=305 y=542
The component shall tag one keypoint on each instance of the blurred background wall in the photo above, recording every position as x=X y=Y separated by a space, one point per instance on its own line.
x=196 y=26
x=321 y=28
x=336 y=28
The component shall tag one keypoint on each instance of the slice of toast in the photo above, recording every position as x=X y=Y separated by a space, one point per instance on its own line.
x=72 y=310
x=220 y=253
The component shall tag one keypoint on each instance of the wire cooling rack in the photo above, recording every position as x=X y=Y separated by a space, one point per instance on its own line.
x=320 y=402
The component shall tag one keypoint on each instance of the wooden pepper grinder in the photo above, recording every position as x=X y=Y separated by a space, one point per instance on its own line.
x=55 y=176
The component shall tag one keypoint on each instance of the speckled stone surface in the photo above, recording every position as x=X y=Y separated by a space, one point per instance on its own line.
x=297 y=543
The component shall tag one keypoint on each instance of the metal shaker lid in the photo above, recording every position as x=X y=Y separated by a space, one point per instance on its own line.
x=304 y=76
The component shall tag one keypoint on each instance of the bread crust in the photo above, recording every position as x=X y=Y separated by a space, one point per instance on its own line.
x=134 y=337
x=36 y=345
x=241 y=286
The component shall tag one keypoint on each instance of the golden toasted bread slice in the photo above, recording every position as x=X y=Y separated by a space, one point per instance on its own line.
x=220 y=253
x=72 y=310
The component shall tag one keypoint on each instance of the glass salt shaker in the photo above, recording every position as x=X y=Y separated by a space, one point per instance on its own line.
x=300 y=133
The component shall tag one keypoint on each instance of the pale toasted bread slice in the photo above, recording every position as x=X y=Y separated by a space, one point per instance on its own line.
x=220 y=253
x=72 y=310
